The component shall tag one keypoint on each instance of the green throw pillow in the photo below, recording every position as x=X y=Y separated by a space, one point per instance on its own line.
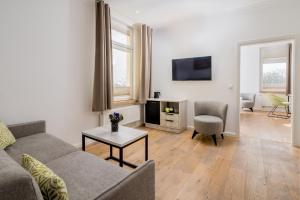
x=51 y=185
x=6 y=137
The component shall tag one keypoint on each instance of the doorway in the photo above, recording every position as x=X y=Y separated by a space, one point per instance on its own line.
x=266 y=90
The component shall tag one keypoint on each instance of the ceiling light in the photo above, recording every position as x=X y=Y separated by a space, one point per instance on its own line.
x=137 y=12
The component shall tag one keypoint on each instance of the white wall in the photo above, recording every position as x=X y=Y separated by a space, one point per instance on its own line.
x=47 y=64
x=250 y=69
x=219 y=37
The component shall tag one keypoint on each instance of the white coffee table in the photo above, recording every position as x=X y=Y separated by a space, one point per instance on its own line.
x=121 y=139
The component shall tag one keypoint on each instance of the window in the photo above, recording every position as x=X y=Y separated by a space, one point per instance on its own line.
x=122 y=63
x=274 y=75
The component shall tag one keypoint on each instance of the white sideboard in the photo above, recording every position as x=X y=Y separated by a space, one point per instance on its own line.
x=156 y=116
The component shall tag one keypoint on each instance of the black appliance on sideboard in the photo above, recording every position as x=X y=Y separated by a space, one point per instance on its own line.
x=153 y=112
x=156 y=95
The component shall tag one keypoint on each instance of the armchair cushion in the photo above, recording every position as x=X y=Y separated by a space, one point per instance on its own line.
x=247 y=100
x=208 y=125
x=247 y=104
x=210 y=117
x=212 y=108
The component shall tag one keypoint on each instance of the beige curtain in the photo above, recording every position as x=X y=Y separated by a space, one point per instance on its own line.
x=143 y=62
x=103 y=83
x=289 y=74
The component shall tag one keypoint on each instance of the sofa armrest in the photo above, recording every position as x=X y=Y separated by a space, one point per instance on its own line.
x=26 y=129
x=15 y=181
x=19 y=186
x=140 y=184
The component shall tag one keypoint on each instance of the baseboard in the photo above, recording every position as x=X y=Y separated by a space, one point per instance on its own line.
x=296 y=145
x=230 y=133
x=134 y=124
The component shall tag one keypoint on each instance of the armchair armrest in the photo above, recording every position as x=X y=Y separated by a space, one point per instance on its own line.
x=26 y=129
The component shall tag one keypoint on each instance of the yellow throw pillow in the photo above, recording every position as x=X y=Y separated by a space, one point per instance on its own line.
x=6 y=137
x=51 y=185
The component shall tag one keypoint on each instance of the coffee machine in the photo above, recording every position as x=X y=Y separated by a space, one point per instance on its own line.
x=156 y=95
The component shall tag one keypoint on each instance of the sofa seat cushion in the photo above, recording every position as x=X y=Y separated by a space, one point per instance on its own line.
x=44 y=147
x=86 y=176
x=208 y=125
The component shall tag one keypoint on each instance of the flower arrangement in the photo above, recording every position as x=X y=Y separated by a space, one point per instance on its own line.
x=115 y=118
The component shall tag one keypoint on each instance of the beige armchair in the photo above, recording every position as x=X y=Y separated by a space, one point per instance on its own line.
x=210 y=119
x=247 y=101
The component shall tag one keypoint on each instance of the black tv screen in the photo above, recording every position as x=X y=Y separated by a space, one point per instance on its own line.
x=193 y=69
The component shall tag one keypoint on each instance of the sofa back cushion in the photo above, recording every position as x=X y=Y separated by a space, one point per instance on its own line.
x=27 y=129
x=16 y=182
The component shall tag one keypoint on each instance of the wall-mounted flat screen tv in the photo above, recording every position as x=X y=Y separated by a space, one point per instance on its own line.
x=192 y=69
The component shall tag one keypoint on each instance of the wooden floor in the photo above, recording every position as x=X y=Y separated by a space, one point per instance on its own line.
x=237 y=169
x=259 y=125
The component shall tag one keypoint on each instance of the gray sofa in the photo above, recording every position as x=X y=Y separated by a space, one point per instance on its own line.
x=86 y=176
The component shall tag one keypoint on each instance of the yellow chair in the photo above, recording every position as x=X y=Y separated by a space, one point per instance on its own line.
x=278 y=102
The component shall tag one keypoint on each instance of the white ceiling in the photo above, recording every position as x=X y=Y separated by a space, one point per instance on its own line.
x=159 y=12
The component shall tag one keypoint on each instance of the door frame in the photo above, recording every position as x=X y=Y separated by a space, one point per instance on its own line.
x=290 y=39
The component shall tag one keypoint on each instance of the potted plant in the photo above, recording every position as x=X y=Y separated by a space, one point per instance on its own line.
x=115 y=118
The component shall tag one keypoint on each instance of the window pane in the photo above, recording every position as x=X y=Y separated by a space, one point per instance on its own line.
x=121 y=68
x=120 y=37
x=274 y=75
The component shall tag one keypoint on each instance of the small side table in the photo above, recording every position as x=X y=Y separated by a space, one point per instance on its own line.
x=121 y=139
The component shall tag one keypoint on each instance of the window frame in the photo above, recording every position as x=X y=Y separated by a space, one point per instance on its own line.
x=124 y=94
x=270 y=61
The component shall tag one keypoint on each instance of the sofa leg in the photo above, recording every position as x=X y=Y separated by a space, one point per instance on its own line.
x=194 y=134
x=251 y=109
x=214 y=137
x=222 y=135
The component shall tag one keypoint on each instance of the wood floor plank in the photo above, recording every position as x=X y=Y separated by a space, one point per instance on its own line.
x=260 y=164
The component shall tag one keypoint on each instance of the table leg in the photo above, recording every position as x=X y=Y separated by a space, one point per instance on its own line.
x=83 y=143
x=121 y=157
x=146 y=148
x=110 y=151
